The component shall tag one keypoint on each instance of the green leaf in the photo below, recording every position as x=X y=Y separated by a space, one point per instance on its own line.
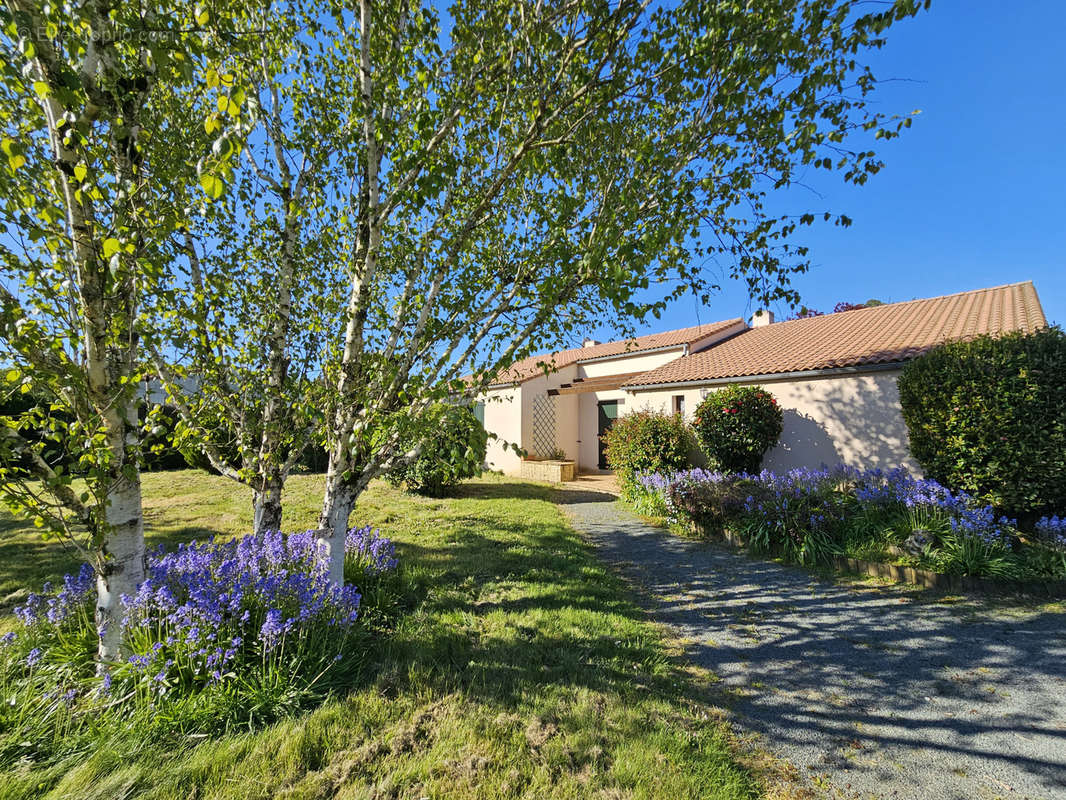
x=213 y=187
x=227 y=106
x=42 y=89
x=111 y=246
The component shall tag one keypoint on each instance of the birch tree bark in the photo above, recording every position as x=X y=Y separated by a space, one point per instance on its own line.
x=91 y=161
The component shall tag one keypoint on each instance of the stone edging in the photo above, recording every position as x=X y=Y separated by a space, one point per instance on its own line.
x=926 y=578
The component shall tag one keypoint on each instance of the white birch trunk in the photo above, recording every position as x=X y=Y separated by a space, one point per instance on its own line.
x=266 y=506
x=120 y=563
x=340 y=493
x=107 y=296
x=337 y=504
x=121 y=569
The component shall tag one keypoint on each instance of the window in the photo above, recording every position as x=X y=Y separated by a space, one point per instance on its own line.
x=679 y=404
x=479 y=412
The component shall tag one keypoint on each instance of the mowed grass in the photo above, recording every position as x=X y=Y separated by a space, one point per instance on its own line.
x=522 y=670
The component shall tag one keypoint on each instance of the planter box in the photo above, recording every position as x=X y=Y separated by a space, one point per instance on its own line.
x=549 y=471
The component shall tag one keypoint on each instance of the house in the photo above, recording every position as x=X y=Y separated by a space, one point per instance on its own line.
x=566 y=400
x=834 y=377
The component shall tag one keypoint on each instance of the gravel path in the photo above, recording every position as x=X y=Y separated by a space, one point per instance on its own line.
x=873 y=691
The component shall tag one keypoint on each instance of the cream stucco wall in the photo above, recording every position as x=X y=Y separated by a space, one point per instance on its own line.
x=624 y=364
x=509 y=414
x=503 y=417
x=566 y=424
x=854 y=419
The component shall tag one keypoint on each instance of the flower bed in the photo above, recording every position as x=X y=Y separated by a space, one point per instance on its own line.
x=820 y=516
x=220 y=633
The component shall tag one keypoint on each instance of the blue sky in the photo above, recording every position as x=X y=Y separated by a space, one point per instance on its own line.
x=973 y=195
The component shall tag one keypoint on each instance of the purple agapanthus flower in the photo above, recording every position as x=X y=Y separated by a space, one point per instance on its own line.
x=802 y=499
x=1052 y=530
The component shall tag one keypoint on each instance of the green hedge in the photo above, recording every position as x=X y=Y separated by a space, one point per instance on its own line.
x=988 y=416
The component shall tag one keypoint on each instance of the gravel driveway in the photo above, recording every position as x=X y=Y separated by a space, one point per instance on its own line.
x=871 y=691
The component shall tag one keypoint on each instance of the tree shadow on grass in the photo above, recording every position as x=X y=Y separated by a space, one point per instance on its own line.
x=526 y=608
x=520 y=490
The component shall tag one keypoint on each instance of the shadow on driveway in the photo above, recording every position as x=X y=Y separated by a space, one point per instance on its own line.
x=885 y=692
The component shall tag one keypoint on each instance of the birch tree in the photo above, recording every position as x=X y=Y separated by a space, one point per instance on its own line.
x=84 y=195
x=249 y=294
x=524 y=170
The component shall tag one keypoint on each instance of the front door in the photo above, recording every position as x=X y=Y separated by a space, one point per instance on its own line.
x=608 y=414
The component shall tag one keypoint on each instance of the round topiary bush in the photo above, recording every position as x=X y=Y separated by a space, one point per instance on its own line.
x=736 y=425
x=455 y=450
x=647 y=441
x=988 y=416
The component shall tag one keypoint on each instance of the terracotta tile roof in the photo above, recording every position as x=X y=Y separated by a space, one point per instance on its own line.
x=882 y=334
x=534 y=365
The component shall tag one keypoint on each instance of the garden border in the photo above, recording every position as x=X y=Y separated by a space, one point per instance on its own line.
x=924 y=578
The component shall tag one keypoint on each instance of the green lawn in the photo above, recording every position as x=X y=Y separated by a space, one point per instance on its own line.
x=523 y=670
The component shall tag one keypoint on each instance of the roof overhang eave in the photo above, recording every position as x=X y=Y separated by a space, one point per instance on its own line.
x=827 y=372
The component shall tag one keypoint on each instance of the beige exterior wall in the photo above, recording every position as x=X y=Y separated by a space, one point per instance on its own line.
x=853 y=419
x=503 y=417
x=531 y=389
x=622 y=365
x=566 y=424
x=509 y=411
x=509 y=414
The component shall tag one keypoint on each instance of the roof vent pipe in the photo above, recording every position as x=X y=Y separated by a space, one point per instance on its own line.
x=761 y=318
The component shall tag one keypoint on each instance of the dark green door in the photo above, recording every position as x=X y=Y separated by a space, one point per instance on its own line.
x=608 y=414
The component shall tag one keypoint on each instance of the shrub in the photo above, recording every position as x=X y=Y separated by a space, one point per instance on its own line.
x=221 y=634
x=646 y=442
x=455 y=449
x=157 y=445
x=988 y=417
x=735 y=427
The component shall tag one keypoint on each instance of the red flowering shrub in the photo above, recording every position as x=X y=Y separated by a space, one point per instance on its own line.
x=736 y=425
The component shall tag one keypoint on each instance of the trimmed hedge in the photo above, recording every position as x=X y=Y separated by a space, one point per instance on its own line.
x=647 y=441
x=736 y=425
x=988 y=416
